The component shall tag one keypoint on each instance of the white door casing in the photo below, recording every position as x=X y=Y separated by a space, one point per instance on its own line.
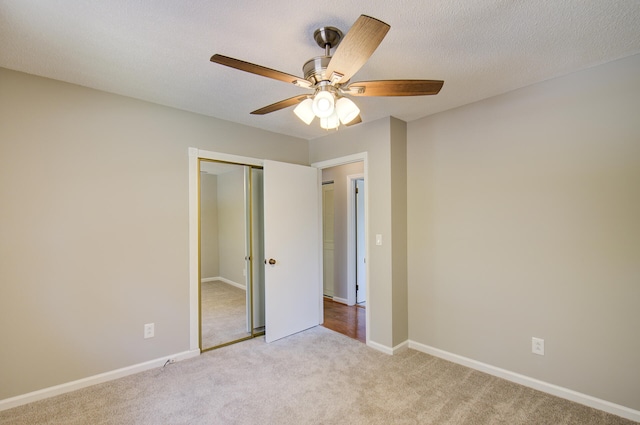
x=352 y=259
x=361 y=268
x=328 y=241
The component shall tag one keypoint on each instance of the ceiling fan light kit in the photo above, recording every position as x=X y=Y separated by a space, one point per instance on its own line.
x=330 y=122
x=329 y=76
x=323 y=104
x=331 y=112
x=347 y=110
x=304 y=111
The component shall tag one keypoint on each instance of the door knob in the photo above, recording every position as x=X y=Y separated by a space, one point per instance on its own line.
x=271 y=261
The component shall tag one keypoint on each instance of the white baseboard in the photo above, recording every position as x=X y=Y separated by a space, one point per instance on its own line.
x=209 y=279
x=380 y=347
x=16 y=401
x=389 y=350
x=527 y=381
x=401 y=347
x=225 y=280
x=340 y=300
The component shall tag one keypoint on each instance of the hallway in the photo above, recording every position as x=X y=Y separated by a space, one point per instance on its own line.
x=347 y=320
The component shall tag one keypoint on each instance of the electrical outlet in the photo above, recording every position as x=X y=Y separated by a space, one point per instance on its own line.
x=149 y=330
x=537 y=346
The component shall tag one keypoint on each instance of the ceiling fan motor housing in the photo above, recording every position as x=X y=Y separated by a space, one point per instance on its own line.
x=314 y=69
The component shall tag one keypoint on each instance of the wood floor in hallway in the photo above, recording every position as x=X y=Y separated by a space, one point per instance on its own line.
x=348 y=320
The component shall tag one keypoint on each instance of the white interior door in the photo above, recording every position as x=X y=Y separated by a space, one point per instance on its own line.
x=361 y=267
x=292 y=239
x=328 y=239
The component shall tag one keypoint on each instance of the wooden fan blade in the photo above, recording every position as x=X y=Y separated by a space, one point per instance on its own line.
x=279 y=105
x=395 y=88
x=356 y=120
x=254 y=69
x=356 y=48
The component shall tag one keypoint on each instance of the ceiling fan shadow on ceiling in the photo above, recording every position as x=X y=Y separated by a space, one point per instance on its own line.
x=329 y=76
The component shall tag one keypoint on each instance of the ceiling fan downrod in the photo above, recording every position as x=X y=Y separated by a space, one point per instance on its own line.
x=327 y=37
x=314 y=69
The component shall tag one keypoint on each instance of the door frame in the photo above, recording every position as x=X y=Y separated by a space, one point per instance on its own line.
x=351 y=237
x=357 y=157
x=194 y=229
x=324 y=257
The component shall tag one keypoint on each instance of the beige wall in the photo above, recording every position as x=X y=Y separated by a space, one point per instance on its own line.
x=339 y=175
x=231 y=225
x=398 y=156
x=374 y=138
x=94 y=224
x=209 y=251
x=524 y=220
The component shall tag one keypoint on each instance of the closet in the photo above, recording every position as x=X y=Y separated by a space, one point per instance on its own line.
x=258 y=250
x=231 y=295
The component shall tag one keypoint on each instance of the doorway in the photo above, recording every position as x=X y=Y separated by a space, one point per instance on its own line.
x=292 y=243
x=344 y=249
x=328 y=239
x=349 y=320
x=356 y=241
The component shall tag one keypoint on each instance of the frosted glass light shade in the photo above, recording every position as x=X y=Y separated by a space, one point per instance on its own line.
x=323 y=104
x=330 y=122
x=346 y=110
x=304 y=111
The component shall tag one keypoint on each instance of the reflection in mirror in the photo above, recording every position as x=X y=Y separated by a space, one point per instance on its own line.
x=225 y=285
x=257 y=244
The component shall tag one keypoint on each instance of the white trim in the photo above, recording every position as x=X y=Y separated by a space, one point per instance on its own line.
x=380 y=347
x=9 y=403
x=389 y=350
x=232 y=283
x=403 y=346
x=340 y=300
x=356 y=157
x=351 y=237
x=225 y=280
x=320 y=251
x=527 y=381
x=194 y=325
x=209 y=279
x=225 y=157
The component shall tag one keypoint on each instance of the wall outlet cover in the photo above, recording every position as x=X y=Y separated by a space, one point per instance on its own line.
x=537 y=346
x=149 y=330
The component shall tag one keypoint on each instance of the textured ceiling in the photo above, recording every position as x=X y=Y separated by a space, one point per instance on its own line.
x=159 y=50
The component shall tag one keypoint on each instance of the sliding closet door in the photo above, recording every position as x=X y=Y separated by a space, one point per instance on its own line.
x=292 y=249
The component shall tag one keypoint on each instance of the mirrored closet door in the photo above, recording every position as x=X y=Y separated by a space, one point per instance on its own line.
x=231 y=253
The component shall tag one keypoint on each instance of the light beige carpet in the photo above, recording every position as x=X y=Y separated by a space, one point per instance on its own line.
x=224 y=313
x=314 y=377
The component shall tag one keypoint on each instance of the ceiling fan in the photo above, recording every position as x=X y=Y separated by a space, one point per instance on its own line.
x=329 y=76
